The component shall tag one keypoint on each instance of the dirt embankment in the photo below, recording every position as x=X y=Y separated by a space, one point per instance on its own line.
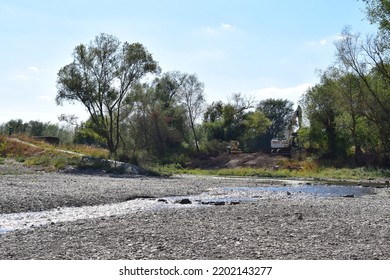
x=225 y=160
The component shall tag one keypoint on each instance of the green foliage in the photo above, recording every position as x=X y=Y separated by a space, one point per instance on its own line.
x=51 y=162
x=37 y=128
x=159 y=123
x=289 y=169
x=213 y=147
x=378 y=11
x=256 y=125
x=365 y=69
x=20 y=159
x=101 y=77
x=279 y=112
x=234 y=121
x=86 y=134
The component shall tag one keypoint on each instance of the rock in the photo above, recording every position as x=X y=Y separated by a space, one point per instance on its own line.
x=184 y=201
x=218 y=203
x=288 y=193
x=235 y=202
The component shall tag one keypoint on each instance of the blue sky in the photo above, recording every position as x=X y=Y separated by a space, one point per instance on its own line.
x=264 y=49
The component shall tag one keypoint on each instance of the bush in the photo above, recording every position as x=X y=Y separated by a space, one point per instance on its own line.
x=214 y=147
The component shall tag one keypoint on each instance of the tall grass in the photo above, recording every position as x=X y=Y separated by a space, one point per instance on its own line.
x=303 y=170
x=46 y=155
x=92 y=151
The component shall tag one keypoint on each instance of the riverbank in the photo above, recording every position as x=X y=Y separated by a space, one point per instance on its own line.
x=270 y=227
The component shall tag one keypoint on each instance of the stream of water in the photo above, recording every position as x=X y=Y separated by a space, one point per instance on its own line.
x=219 y=196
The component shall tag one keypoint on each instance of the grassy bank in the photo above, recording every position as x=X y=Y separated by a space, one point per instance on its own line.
x=318 y=173
x=53 y=158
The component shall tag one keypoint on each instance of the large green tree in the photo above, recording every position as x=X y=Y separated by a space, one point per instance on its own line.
x=101 y=77
x=158 y=123
x=177 y=88
x=279 y=111
x=234 y=121
x=225 y=122
x=368 y=59
x=320 y=105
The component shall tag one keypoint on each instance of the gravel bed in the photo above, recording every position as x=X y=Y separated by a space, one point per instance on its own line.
x=280 y=227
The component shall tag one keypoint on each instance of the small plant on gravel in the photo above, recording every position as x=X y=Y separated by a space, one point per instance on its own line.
x=20 y=159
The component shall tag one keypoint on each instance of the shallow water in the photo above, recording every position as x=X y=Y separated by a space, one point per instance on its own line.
x=24 y=220
x=219 y=196
x=314 y=190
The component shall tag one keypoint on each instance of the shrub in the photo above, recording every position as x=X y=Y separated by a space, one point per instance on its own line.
x=214 y=147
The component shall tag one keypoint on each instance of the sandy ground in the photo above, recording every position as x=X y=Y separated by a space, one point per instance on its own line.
x=271 y=227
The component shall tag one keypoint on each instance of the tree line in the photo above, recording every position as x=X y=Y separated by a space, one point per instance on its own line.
x=137 y=110
x=37 y=128
x=349 y=109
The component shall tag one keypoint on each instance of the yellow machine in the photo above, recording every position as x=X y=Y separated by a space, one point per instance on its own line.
x=234 y=148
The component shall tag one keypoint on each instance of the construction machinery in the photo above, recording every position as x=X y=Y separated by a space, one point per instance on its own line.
x=234 y=148
x=290 y=141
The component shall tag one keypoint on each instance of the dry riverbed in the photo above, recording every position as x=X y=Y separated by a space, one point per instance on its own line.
x=98 y=216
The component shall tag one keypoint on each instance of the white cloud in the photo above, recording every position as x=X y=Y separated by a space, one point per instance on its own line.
x=216 y=30
x=326 y=40
x=226 y=26
x=291 y=93
x=33 y=68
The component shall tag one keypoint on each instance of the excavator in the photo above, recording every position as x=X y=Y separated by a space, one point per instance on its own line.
x=286 y=145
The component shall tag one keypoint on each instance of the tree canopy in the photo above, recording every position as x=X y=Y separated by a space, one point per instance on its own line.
x=101 y=77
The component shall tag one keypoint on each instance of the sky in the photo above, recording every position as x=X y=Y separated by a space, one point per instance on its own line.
x=260 y=48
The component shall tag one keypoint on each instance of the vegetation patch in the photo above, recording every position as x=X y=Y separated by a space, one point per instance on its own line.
x=36 y=153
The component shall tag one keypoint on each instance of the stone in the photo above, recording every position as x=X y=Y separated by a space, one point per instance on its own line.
x=184 y=201
x=218 y=203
